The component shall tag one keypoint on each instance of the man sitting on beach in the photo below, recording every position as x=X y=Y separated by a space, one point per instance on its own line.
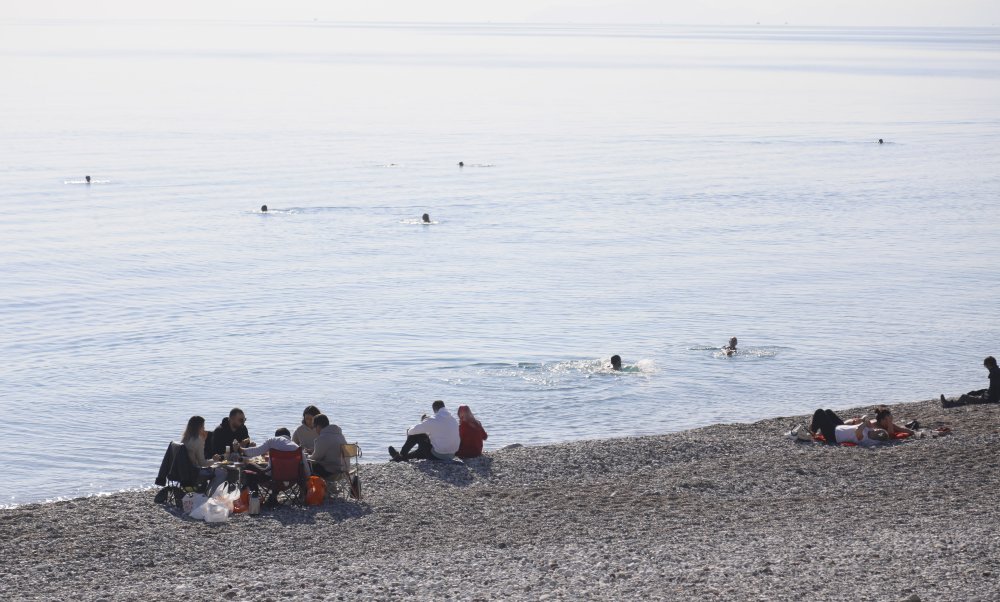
x=327 y=458
x=281 y=441
x=436 y=438
x=231 y=429
x=991 y=395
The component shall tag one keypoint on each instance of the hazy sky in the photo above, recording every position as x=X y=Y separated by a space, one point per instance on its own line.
x=722 y=12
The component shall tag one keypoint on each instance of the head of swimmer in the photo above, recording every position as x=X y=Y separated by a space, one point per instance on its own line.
x=263 y=208
x=616 y=362
x=732 y=343
x=426 y=218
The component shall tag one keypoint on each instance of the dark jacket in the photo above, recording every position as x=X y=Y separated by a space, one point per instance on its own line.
x=176 y=466
x=993 y=393
x=222 y=436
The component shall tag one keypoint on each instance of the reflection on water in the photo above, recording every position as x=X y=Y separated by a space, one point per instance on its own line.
x=647 y=192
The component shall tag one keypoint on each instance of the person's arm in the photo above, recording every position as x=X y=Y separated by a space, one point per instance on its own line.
x=424 y=428
x=903 y=429
x=252 y=452
x=319 y=450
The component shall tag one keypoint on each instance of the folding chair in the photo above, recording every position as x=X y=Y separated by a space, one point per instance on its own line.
x=178 y=476
x=287 y=476
x=352 y=476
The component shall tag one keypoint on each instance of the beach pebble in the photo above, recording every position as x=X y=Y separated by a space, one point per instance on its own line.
x=723 y=512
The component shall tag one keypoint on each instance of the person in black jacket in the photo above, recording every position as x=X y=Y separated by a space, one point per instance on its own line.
x=231 y=429
x=991 y=395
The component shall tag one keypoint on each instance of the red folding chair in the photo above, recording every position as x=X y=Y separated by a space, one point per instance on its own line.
x=287 y=477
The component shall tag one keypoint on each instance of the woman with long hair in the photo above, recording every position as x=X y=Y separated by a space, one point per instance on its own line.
x=194 y=440
x=471 y=432
x=305 y=435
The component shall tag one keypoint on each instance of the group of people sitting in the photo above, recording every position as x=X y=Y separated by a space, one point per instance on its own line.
x=319 y=440
x=440 y=437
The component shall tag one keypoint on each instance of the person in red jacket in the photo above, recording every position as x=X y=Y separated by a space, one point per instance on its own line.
x=471 y=432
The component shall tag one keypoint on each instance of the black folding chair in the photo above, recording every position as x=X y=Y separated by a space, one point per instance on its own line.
x=178 y=476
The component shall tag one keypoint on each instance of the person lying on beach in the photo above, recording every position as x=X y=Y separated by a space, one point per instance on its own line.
x=991 y=395
x=327 y=458
x=281 y=441
x=865 y=433
x=436 y=438
x=471 y=433
x=305 y=434
x=616 y=362
x=229 y=430
x=730 y=348
x=883 y=418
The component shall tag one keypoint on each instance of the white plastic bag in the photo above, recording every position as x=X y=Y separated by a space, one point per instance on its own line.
x=187 y=503
x=198 y=502
x=216 y=511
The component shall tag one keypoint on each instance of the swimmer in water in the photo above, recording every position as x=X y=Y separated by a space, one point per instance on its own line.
x=263 y=208
x=730 y=349
x=616 y=362
x=461 y=163
x=426 y=218
x=880 y=141
x=88 y=179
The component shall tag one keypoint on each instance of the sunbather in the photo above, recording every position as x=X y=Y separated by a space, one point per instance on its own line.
x=865 y=433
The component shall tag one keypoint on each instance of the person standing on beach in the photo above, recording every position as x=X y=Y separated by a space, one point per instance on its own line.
x=436 y=438
x=991 y=395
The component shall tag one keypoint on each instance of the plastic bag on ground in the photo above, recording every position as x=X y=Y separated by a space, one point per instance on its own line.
x=216 y=511
x=198 y=502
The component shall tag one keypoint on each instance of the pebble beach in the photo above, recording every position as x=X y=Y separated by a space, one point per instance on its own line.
x=726 y=512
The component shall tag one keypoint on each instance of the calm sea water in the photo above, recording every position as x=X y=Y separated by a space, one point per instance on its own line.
x=646 y=191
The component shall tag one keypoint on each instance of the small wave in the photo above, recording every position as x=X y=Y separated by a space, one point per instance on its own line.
x=92 y=181
x=418 y=222
x=747 y=353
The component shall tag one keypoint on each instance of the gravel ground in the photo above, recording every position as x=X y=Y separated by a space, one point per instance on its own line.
x=719 y=513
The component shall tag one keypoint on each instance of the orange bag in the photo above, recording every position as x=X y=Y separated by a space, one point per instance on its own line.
x=315 y=491
x=242 y=504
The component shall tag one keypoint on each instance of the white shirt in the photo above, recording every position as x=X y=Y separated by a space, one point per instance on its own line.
x=442 y=428
x=278 y=443
x=848 y=433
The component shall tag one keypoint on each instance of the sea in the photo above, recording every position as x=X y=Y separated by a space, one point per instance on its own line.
x=830 y=196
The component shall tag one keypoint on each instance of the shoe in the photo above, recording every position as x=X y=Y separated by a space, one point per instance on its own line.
x=802 y=433
x=396 y=457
